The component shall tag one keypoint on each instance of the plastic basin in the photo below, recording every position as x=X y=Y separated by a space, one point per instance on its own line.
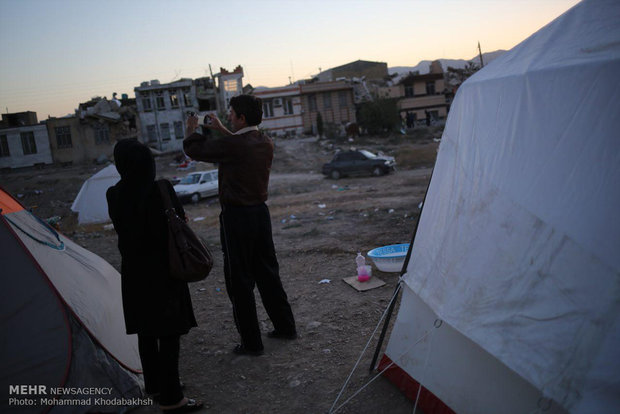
x=389 y=258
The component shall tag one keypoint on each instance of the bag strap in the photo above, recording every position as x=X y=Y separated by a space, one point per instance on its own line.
x=163 y=189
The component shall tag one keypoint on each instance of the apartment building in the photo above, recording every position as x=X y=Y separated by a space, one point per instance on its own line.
x=333 y=100
x=162 y=111
x=282 y=113
x=23 y=141
x=229 y=85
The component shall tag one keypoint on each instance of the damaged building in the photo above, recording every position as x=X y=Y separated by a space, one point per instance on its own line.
x=333 y=100
x=90 y=134
x=422 y=96
x=162 y=110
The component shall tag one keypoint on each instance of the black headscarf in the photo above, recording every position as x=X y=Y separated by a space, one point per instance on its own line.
x=134 y=162
x=134 y=192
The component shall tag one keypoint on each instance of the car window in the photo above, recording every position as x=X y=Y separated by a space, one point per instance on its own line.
x=190 y=179
x=368 y=154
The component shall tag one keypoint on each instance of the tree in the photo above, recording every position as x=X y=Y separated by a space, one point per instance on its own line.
x=455 y=76
x=379 y=116
x=319 y=124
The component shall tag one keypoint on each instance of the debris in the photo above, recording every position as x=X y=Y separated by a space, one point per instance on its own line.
x=373 y=283
x=38 y=192
x=53 y=221
x=334 y=186
x=314 y=325
x=322 y=206
x=329 y=217
x=420 y=205
x=198 y=219
x=283 y=221
x=108 y=227
x=390 y=211
x=20 y=195
x=294 y=383
x=202 y=289
x=327 y=351
x=293 y=216
x=324 y=281
x=437 y=139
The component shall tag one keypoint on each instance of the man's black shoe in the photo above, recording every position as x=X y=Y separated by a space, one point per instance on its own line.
x=241 y=350
x=282 y=335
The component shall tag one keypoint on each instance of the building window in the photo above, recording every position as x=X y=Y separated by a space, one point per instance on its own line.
x=174 y=99
x=63 y=137
x=288 y=107
x=28 y=144
x=159 y=99
x=430 y=88
x=178 y=129
x=146 y=101
x=327 y=100
x=312 y=103
x=342 y=98
x=187 y=100
x=268 y=108
x=151 y=133
x=102 y=134
x=230 y=85
x=409 y=91
x=4 y=147
x=165 y=131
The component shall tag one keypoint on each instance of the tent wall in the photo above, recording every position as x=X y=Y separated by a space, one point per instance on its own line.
x=456 y=369
x=87 y=283
x=32 y=315
x=517 y=245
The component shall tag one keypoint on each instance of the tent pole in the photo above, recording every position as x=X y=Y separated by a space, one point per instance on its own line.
x=398 y=285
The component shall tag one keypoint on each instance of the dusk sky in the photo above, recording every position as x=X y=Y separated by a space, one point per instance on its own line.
x=58 y=53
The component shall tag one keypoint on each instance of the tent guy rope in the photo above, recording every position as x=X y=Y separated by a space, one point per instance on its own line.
x=436 y=325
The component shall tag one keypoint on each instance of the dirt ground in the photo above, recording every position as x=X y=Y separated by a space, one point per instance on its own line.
x=319 y=225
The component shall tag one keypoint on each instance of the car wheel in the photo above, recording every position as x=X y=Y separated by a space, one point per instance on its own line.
x=377 y=171
x=335 y=174
x=195 y=198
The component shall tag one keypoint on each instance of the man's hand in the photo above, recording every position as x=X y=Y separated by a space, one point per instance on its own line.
x=213 y=122
x=192 y=125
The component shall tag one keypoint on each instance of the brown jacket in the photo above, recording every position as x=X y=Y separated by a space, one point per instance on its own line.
x=244 y=164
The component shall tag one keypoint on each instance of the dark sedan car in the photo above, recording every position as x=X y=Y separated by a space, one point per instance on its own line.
x=359 y=162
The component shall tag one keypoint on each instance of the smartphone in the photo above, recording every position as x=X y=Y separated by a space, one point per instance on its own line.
x=201 y=118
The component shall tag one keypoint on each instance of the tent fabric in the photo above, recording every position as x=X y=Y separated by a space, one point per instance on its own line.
x=517 y=245
x=61 y=315
x=27 y=304
x=90 y=203
x=87 y=283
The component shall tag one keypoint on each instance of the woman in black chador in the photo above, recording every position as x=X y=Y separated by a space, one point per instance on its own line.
x=157 y=307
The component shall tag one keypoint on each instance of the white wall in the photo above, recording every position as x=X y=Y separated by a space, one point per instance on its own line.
x=17 y=157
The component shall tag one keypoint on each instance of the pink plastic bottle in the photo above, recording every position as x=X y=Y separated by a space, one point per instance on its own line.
x=362 y=270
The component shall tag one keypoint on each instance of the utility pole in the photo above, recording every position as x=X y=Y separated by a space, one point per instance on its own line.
x=480 y=53
x=217 y=97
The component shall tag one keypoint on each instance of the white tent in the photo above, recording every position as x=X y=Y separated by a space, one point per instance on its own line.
x=511 y=299
x=90 y=203
x=62 y=320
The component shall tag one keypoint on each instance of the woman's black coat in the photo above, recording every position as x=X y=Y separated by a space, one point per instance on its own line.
x=153 y=303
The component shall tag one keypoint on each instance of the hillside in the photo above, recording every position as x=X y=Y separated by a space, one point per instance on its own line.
x=423 y=66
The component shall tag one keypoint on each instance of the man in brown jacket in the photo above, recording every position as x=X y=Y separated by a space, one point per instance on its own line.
x=244 y=157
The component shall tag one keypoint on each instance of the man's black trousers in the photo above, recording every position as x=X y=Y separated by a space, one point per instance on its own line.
x=249 y=261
